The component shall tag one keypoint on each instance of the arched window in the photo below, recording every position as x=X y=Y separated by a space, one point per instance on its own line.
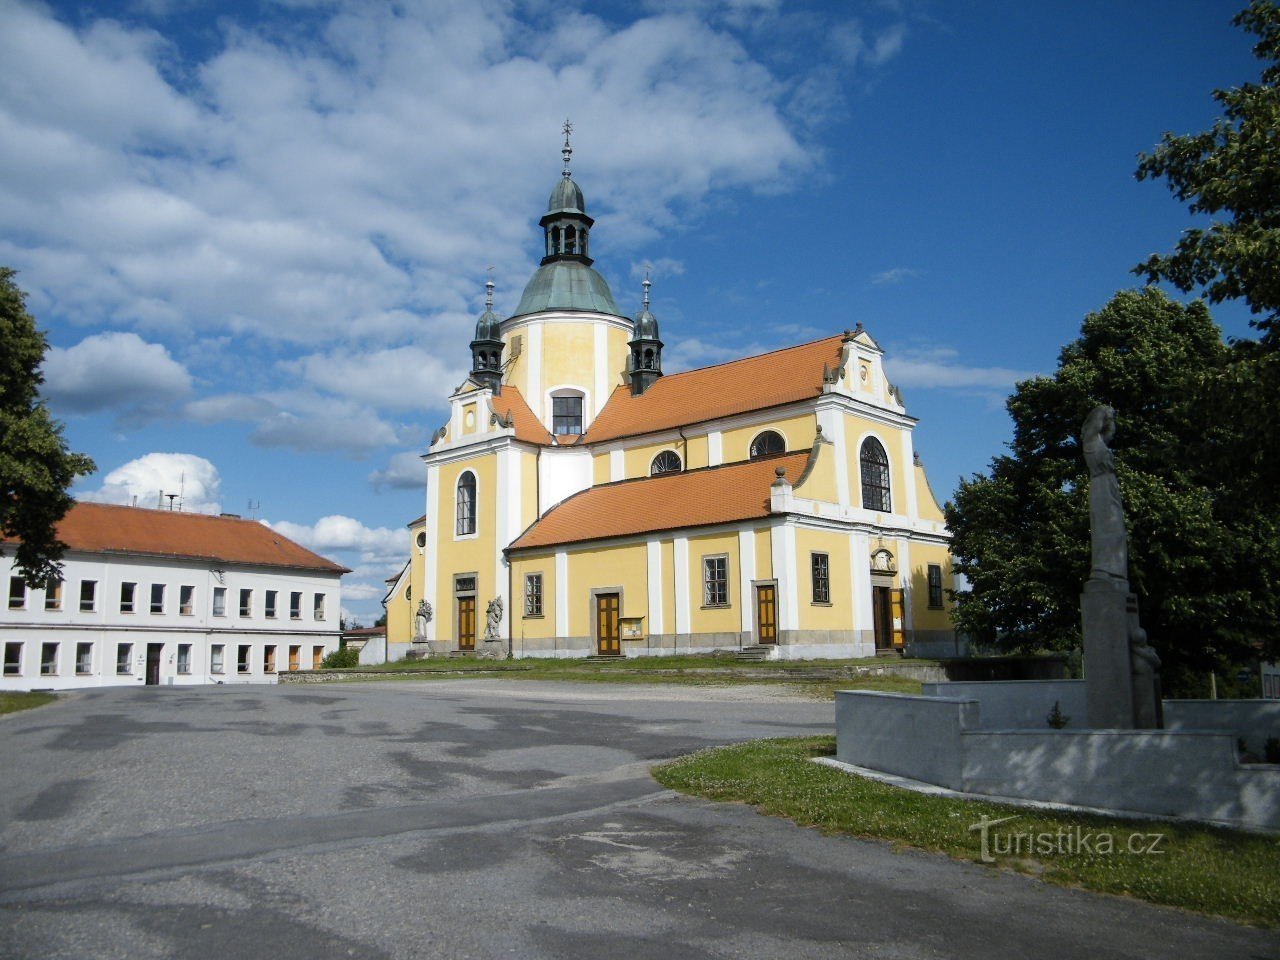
x=570 y=240
x=766 y=443
x=668 y=461
x=466 y=504
x=875 y=476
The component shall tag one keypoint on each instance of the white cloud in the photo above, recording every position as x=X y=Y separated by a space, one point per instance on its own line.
x=194 y=478
x=405 y=471
x=935 y=368
x=114 y=371
x=338 y=534
x=403 y=378
x=894 y=275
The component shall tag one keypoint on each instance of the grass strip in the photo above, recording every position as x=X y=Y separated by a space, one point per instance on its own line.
x=12 y=702
x=1215 y=871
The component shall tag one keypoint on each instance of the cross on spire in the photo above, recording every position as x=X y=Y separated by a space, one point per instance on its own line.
x=567 y=150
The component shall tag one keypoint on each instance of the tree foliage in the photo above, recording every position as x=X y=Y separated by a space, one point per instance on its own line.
x=1203 y=561
x=1231 y=173
x=36 y=468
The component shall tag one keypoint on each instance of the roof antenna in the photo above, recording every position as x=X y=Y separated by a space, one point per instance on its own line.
x=182 y=489
x=567 y=150
x=254 y=507
x=172 y=497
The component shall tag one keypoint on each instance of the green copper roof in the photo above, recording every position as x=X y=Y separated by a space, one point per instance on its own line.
x=566 y=285
x=567 y=196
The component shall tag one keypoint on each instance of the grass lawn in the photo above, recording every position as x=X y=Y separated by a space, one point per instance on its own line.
x=819 y=679
x=1214 y=871
x=13 y=702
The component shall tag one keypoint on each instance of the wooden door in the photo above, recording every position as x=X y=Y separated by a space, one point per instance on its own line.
x=898 y=616
x=882 y=616
x=294 y=652
x=154 y=652
x=317 y=658
x=766 y=613
x=608 y=637
x=466 y=623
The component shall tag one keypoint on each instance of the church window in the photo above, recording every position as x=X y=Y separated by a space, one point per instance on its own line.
x=466 y=504
x=570 y=240
x=935 y=587
x=715 y=581
x=875 y=476
x=821 y=565
x=767 y=443
x=566 y=415
x=533 y=595
x=668 y=461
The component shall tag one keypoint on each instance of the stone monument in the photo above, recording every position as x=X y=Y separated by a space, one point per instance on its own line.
x=493 y=647
x=1122 y=682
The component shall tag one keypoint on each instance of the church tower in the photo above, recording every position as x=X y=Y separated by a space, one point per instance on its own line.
x=486 y=348
x=646 y=348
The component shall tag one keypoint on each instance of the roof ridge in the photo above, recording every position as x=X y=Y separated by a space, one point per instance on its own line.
x=754 y=356
x=684 y=473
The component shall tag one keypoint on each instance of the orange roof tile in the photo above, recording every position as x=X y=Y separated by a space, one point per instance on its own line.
x=511 y=405
x=108 y=528
x=669 y=501
x=753 y=383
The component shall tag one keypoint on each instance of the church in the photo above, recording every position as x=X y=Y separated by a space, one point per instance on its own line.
x=582 y=502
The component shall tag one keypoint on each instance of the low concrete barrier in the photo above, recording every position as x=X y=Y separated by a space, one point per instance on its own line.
x=1018 y=704
x=1253 y=721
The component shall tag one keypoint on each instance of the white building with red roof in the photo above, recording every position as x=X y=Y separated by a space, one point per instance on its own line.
x=579 y=502
x=165 y=597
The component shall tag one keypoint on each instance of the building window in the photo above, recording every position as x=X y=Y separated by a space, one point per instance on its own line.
x=17 y=593
x=124 y=658
x=668 y=461
x=269 y=608
x=127 y=591
x=157 y=598
x=53 y=594
x=186 y=600
x=317 y=609
x=421 y=541
x=294 y=650
x=935 y=586
x=715 y=581
x=821 y=577
x=215 y=658
x=466 y=504
x=533 y=595
x=246 y=602
x=219 y=601
x=566 y=415
x=317 y=658
x=48 y=659
x=295 y=606
x=88 y=595
x=269 y=658
x=84 y=658
x=242 y=658
x=767 y=443
x=13 y=659
x=184 y=658
x=875 y=476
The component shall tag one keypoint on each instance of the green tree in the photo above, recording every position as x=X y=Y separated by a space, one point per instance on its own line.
x=1202 y=564
x=1231 y=173
x=36 y=468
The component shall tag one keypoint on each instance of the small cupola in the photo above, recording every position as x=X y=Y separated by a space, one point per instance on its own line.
x=646 y=348
x=566 y=224
x=486 y=348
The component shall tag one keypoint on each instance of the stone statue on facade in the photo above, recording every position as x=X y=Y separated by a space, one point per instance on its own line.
x=421 y=619
x=493 y=647
x=1120 y=667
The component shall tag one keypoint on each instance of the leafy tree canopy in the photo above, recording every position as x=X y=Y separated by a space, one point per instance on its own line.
x=1203 y=561
x=1232 y=169
x=36 y=468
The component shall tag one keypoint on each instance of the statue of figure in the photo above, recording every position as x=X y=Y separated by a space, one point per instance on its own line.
x=1145 y=665
x=421 y=619
x=1106 y=507
x=493 y=619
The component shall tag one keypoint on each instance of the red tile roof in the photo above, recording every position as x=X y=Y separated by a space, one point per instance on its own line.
x=695 y=396
x=107 y=528
x=669 y=501
x=511 y=405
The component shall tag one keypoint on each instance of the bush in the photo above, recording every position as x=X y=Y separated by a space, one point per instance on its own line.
x=342 y=658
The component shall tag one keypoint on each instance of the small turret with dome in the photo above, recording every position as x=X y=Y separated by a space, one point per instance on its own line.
x=486 y=348
x=646 y=348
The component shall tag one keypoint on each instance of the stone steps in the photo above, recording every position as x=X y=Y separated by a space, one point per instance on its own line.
x=756 y=653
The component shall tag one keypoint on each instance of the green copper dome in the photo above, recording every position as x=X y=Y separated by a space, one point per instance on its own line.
x=567 y=285
x=566 y=197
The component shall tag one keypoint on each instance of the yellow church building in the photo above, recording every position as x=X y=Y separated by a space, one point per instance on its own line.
x=773 y=502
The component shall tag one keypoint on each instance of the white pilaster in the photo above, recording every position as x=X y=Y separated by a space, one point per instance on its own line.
x=427 y=590
x=909 y=472
x=654 y=557
x=683 y=615
x=784 y=571
x=617 y=465
x=832 y=423
x=562 y=594
x=746 y=573
x=715 y=448
x=904 y=577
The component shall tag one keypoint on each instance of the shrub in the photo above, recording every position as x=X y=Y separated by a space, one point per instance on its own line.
x=343 y=657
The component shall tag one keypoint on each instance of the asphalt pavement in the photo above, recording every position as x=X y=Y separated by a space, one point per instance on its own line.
x=478 y=819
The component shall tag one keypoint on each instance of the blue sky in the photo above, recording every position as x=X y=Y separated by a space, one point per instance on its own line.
x=257 y=233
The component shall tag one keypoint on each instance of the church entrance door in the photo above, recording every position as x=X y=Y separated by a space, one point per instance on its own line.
x=766 y=613
x=888 y=611
x=466 y=623
x=608 y=638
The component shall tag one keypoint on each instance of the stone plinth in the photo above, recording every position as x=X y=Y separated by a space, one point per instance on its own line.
x=1105 y=609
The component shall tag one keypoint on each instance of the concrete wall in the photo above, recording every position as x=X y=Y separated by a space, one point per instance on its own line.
x=1254 y=721
x=1018 y=704
x=1180 y=773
